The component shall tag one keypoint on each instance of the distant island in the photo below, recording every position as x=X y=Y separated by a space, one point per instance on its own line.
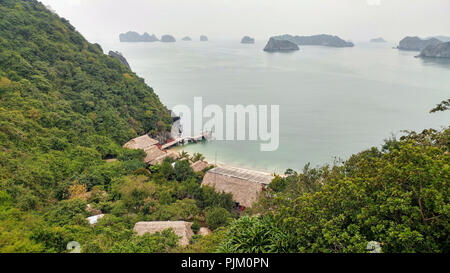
x=378 y=40
x=168 y=39
x=277 y=45
x=320 y=40
x=441 y=50
x=134 y=37
x=416 y=44
x=120 y=57
x=441 y=38
x=187 y=38
x=247 y=40
x=203 y=38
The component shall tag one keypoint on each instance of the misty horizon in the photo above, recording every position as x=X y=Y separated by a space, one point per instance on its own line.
x=355 y=20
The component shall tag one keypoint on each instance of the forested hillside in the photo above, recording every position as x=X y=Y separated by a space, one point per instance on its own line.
x=65 y=107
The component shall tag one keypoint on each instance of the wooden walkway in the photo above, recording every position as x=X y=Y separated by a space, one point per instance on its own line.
x=183 y=140
x=244 y=174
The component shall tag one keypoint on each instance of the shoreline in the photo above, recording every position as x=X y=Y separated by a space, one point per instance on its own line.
x=212 y=161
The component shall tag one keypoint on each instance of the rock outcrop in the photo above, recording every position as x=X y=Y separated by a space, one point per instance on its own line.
x=416 y=44
x=50 y=9
x=203 y=38
x=378 y=40
x=187 y=38
x=275 y=45
x=134 y=37
x=247 y=40
x=120 y=57
x=204 y=231
x=168 y=39
x=320 y=40
x=441 y=50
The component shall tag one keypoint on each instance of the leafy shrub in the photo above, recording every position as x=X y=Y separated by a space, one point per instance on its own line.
x=216 y=217
x=255 y=235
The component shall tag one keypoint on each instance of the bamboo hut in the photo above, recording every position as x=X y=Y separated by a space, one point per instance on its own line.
x=154 y=155
x=244 y=185
x=159 y=159
x=181 y=228
x=141 y=143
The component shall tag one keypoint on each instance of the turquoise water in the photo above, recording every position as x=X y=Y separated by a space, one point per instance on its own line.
x=333 y=101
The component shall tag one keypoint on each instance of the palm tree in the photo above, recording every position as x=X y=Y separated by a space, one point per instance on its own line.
x=184 y=155
x=197 y=156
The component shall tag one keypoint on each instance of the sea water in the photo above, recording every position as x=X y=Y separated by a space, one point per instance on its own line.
x=334 y=102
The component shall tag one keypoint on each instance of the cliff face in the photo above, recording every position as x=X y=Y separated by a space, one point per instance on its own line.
x=120 y=57
x=416 y=44
x=134 y=37
x=168 y=39
x=441 y=50
x=275 y=45
x=320 y=40
x=247 y=40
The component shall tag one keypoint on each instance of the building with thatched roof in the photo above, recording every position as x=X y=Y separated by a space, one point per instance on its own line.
x=161 y=157
x=153 y=155
x=181 y=229
x=200 y=165
x=141 y=143
x=244 y=185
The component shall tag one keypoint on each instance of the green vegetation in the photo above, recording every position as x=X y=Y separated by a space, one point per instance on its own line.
x=398 y=196
x=65 y=108
x=217 y=217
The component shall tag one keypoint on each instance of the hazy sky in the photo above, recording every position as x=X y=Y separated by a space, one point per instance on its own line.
x=357 y=20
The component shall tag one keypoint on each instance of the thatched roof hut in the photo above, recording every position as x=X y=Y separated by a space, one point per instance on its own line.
x=244 y=185
x=142 y=143
x=204 y=231
x=181 y=229
x=154 y=154
x=200 y=165
x=157 y=156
